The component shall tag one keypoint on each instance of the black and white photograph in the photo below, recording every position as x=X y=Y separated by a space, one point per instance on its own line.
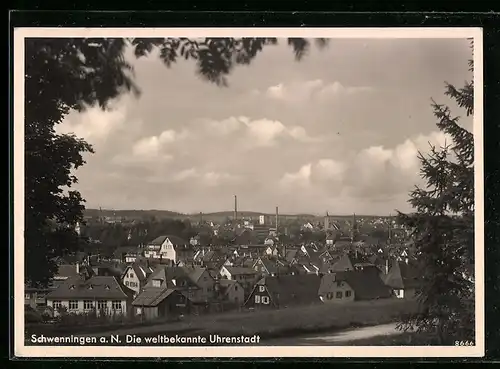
x=248 y=192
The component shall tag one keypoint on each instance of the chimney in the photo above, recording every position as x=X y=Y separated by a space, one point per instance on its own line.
x=277 y=222
x=235 y=207
x=386 y=266
x=77 y=267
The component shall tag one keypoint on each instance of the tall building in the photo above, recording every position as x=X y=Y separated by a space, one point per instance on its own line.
x=262 y=219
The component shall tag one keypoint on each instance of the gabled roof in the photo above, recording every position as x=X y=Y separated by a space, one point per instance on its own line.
x=167 y=274
x=141 y=270
x=66 y=271
x=97 y=287
x=152 y=296
x=274 y=266
x=226 y=284
x=287 y=290
x=342 y=264
x=366 y=283
x=176 y=241
x=291 y=254
x=196 y=273
x=402 y=275
x=240 y=270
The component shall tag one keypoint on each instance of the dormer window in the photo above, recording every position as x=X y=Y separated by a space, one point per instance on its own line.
x=91 y=287
x=72 y=287
x=107 y=287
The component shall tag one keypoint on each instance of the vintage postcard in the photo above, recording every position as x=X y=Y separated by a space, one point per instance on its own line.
x=248 y=192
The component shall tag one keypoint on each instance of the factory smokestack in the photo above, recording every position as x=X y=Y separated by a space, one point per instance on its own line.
x=235 y=207
x=277 y=223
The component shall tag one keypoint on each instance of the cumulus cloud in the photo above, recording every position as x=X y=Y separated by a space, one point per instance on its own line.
x=95 y=125
x=154 y=146
x=374 y=173
x=206 y=178
x=311 y=90
x=254 y=132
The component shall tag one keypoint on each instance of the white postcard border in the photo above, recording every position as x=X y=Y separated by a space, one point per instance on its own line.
x=21 y=350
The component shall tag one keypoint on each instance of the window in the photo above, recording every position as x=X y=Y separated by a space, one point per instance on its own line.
x=156 y=282
x=116 y=305
x=127 y=283
x=329 y=295
x=73 y=305
x=338 y=295
x=265 y=300
x=88 y=305
x=262 y=288
x=236 y=288
x=27 y=296
x=102 y=305
x=56 y=304
x=257 y=299
x=347 y=293
x=339 y=283
x=131 y=275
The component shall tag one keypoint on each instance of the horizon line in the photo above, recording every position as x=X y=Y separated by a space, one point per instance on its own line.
x=330 y=214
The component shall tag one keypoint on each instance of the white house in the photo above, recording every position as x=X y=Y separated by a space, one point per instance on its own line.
x=80 y=295
x=170 y=247
x=136 y=275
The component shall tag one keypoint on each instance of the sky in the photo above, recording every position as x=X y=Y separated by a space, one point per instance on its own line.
x=338 y=131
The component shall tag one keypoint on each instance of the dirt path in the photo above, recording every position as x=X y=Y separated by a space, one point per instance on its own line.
x=337 y=338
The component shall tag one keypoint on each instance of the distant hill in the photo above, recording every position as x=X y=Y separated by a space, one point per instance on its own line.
x=213 y=216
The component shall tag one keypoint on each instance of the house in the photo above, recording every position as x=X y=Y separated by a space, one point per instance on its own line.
x=270 y=241
x=330 y=240
x=285 y=291
x=244 y=276
x=271 y=250
x=36 y=297
x=136 y=276
x=344 y=263
x=353 y=285
x=170 y=247
x=173 y=277
x=161 y=302
x=126 y=254
x=204 y=281
x=270 y=266
x=404 y=279
x=82 y=294
x=307 y=226
x=230 y=291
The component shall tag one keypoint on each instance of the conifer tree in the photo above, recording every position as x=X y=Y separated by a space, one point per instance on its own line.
x=443 y=228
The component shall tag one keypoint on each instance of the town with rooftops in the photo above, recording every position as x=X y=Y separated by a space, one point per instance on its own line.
x=153 y=270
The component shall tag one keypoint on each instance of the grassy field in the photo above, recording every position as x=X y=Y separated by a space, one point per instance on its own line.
x=272 y=323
